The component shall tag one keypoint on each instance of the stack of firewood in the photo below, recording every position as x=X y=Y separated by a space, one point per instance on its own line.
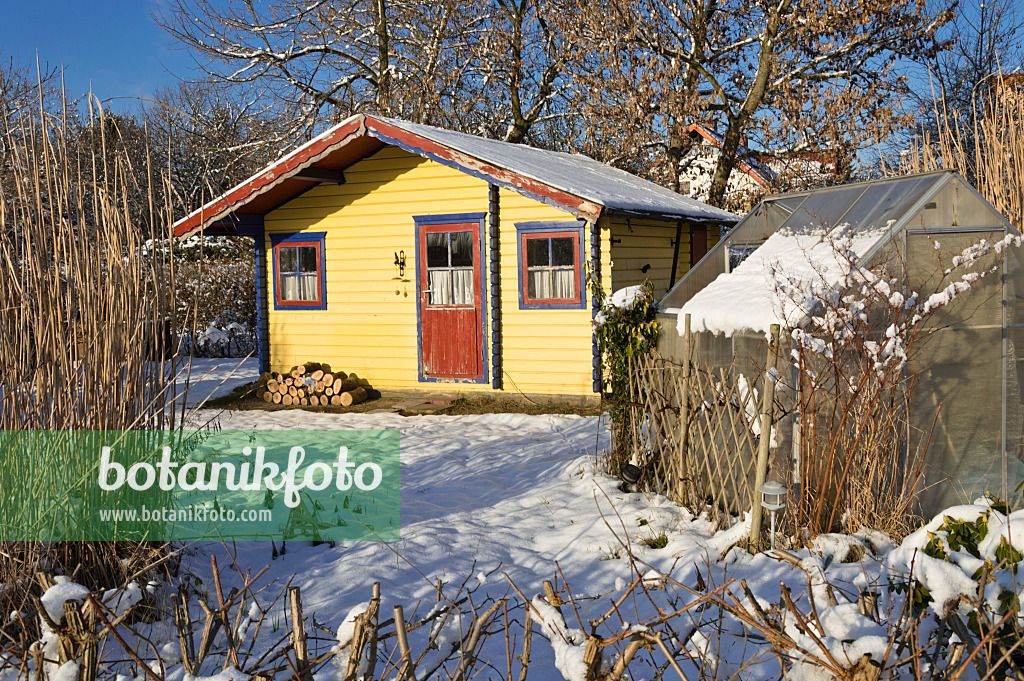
x=311 y=384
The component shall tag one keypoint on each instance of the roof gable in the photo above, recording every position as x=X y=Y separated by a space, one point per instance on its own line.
x=746 y=161
x=575 y=183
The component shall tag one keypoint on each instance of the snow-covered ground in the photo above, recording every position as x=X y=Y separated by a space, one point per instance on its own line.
x=208 y=378
x=481 y=496
x=514 y=493
x=491 y=500
x=492 y=494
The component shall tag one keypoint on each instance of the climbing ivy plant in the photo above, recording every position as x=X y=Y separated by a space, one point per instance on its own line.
x=624 y=332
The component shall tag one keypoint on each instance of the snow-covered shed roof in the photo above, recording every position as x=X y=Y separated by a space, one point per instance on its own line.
x=577 y=183
x=751 y=278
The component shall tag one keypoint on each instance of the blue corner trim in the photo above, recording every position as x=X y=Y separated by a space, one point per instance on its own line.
x=551 y=226
x=595 y=265
x=494 y=218
x=292 y=237
x=451 y=218
x=262 y=312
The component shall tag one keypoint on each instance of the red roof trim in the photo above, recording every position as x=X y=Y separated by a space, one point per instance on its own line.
x=703 y=132
x=277 y=172
x=358 y=126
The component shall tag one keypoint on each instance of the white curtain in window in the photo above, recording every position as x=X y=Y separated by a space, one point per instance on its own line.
x=289 y=288
x=463 y=280
x=451 y=287
x=301 y=287
x=440 y=282
x=308 y=287
x=553 y=284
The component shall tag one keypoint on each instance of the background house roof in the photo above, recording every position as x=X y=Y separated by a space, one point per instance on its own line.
x=576 y=183
x=748 y=162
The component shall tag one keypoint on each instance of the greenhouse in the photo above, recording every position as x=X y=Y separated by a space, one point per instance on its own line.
x=911 y=287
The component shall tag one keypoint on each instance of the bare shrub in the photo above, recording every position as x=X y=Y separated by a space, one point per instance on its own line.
x=856 y=466
x=215 y=294
x=860 y=357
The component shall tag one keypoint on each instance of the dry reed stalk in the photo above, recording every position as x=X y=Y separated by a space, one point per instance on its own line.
x=82 y=315
x=82 y=300
x=994 y=160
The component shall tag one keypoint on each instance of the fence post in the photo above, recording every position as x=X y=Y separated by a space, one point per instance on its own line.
x=767 y=400
x=684 y=407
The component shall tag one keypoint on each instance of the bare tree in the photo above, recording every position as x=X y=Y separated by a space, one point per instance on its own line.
x=208 y=137
x=315 y=57
x=518 y=62
x=778 y=72
x=491 y=68
x=323 y=61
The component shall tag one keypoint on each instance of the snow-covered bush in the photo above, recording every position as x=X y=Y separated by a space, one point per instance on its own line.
x=233 y=340
x=856 y=335
x=215 y=295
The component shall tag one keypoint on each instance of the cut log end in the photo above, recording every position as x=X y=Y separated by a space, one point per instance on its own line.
x=353 y=397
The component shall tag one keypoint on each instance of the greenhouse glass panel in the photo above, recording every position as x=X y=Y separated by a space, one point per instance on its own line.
x=779 y=210
x=957 y=206
x=929 y=256
x=825 y=208
x=1014 y=408
x=1015 y=285
x=755 y=227
x=960 y=391
x=888 y=201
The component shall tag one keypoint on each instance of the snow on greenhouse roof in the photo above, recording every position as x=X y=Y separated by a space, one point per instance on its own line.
x=799 y=241
x=774 y=284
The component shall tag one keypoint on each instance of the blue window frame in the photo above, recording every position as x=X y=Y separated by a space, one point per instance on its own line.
x=300 y=272
x=550 y=265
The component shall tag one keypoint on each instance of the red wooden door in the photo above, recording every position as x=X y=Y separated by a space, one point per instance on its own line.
x=698 y=243
x=450 y=300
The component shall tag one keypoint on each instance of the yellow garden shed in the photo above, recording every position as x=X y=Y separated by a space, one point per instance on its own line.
x=414 y=255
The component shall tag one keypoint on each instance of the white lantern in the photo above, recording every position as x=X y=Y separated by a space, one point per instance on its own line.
x=773 y=500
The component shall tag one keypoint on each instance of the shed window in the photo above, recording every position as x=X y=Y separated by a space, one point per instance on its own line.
x=450 y=268
x=550 y=273
x=739 y=253
x=299 y=271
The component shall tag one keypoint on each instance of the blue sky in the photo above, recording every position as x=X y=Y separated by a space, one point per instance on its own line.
x=114 y=44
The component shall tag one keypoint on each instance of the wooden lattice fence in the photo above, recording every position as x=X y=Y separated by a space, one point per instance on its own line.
x=694 y=429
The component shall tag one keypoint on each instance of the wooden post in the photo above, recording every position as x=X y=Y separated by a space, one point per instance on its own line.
x=684 y=407
x=372 y=620
x=524 y=659
x=299 y=635
x=184 y=626
x=767 y=400
x=405 y=662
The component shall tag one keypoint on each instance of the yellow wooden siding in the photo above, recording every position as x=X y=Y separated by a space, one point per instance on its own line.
x=714 y=236
x=647 y=242
x=370 y=324
x=543 y=351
